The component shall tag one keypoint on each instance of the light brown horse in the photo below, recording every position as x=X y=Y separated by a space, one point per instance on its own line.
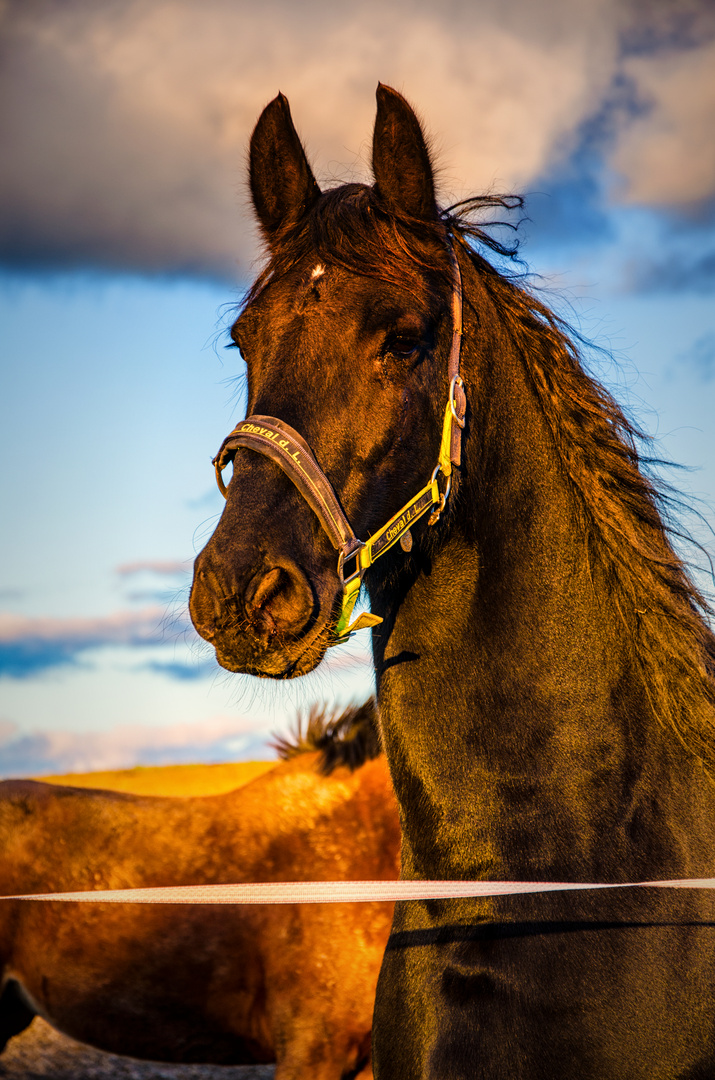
x=225 y=985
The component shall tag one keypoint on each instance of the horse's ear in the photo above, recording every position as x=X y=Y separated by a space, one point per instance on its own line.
x=400 y=159
x=283 y=187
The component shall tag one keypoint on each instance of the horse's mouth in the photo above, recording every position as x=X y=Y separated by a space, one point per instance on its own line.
x=286 y=661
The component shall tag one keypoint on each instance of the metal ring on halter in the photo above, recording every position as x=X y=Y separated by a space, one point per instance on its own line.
x=219 y=479
x=444 y=495
x=346 y=556
x=456 y=381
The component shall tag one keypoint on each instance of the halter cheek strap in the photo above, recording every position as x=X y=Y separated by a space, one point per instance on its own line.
x=277 y=440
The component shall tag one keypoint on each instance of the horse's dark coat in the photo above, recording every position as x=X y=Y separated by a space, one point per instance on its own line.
x=545 y=671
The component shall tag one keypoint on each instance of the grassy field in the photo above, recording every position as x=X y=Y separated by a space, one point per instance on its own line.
x=169 y=779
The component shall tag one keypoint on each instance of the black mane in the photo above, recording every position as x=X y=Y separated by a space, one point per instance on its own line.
x=628 y=514
x=349 y=738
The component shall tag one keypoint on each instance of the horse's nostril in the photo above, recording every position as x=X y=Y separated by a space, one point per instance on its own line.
x=234 y=613
x=263 y=589
x=277 y=600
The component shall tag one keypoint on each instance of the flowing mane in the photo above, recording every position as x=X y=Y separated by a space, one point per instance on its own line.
x=626 y=513
x=350 y=738
x=627 y=516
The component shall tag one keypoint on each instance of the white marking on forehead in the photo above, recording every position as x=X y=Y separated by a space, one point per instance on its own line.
x=317 y=271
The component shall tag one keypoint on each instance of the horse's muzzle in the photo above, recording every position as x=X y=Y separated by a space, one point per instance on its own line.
x=254 y=619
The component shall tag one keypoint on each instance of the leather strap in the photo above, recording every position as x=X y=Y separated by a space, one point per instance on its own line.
x=456 y=385
x=280 y=442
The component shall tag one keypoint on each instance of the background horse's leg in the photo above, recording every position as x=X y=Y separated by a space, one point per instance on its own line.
x=15 y=1013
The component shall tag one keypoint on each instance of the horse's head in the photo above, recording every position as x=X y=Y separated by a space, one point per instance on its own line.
x=347 y=336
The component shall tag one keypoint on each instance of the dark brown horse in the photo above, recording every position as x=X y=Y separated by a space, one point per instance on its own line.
x=544 y=668
x=226 y=985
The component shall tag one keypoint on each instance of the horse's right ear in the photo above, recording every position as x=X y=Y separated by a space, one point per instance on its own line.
x=283 y=187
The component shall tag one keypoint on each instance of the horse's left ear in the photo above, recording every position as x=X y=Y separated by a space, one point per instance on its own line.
x=400 y=159
x=283 y=187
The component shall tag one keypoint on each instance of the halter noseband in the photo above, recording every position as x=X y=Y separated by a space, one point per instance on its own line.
x=277 y=440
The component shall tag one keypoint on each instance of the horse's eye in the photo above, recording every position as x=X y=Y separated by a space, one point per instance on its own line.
x=402 y=346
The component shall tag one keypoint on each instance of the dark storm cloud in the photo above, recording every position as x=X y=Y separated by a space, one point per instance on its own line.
x=125 y=123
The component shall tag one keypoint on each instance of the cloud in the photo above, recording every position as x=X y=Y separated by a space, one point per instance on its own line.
x=7 y=730
x=155 y=566
x=29 y=646
x=222 y=738
x=567 y=206
x=150 y=596
x=657 y=26
x=680 y=273
x=183 y=672
x=126 y=122
x=12 y=594
x=665 y=155
x=700 y=357
x=684 y=262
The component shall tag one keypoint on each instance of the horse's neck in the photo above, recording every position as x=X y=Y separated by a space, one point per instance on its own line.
x=504 y=683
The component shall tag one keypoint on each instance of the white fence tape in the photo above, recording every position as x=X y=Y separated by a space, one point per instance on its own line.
x=332 y=892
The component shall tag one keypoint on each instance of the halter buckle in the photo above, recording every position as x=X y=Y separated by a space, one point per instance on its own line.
x=443 y=496
x=345 y=561
x=457 y=381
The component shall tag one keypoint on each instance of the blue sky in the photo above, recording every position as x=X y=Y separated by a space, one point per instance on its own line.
x=126 y=241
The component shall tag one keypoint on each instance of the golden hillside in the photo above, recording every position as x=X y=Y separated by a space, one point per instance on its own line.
x=169 y=779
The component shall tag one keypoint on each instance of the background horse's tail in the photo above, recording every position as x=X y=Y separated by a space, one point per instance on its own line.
x=349 y=738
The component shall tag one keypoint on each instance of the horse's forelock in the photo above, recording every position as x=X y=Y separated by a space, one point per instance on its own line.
x=349 y=227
